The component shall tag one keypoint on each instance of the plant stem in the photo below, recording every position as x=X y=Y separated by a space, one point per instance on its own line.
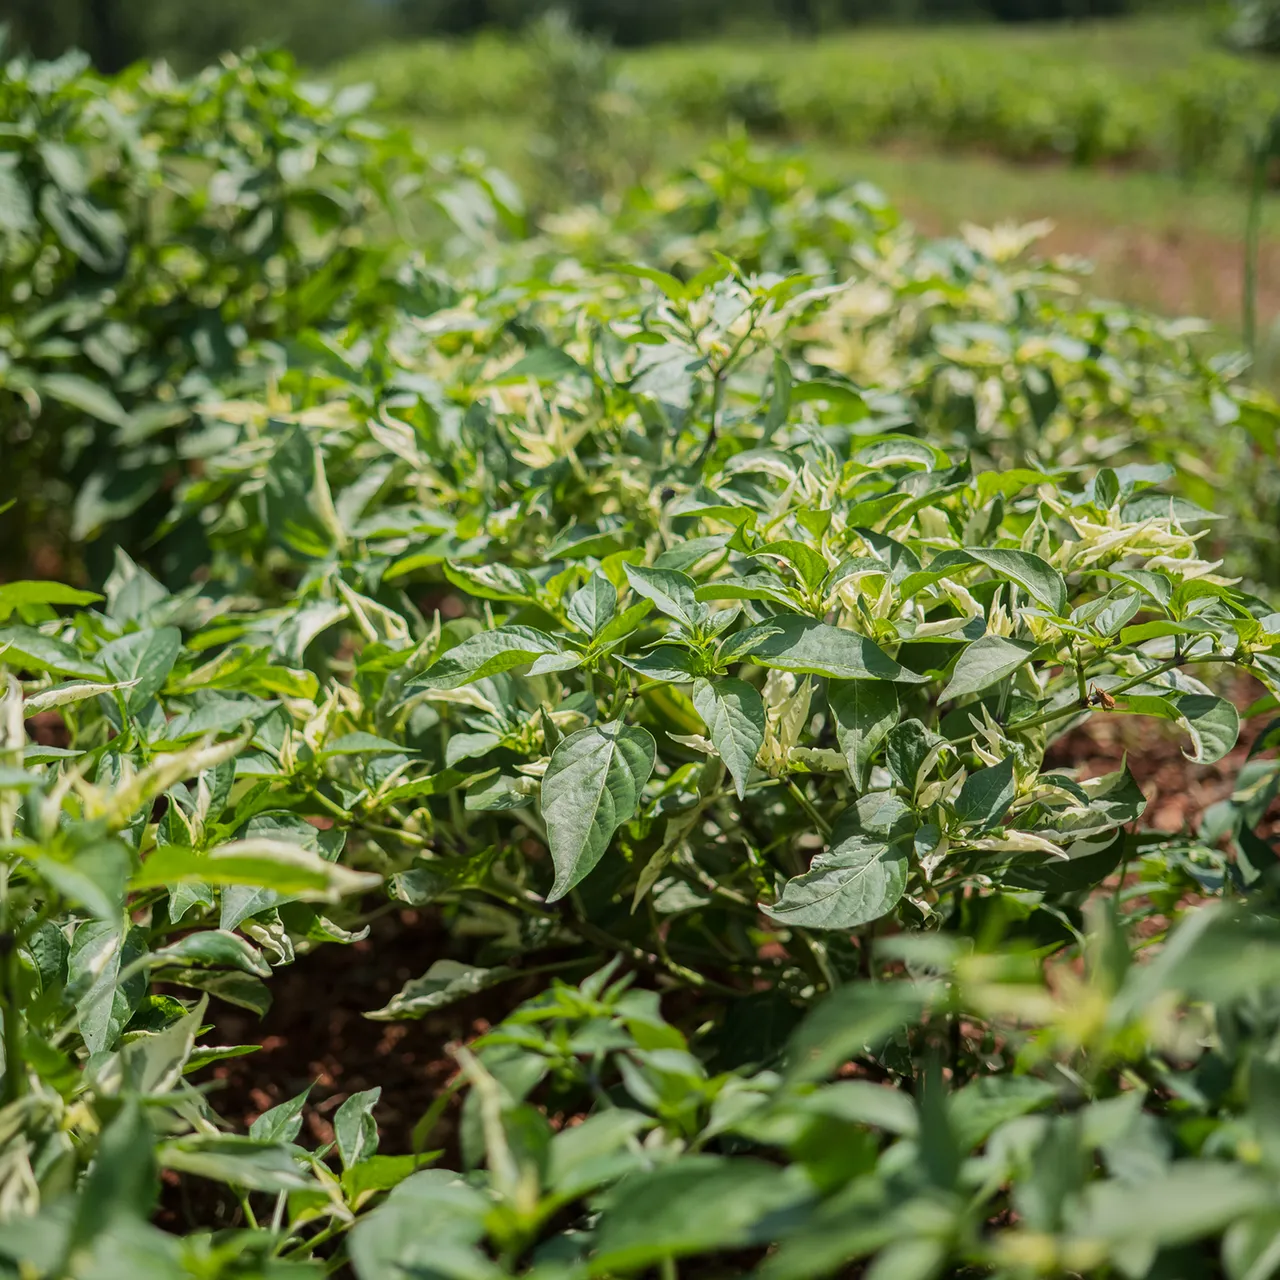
x=807 y=805
x=15 y=1075
x=1072 y=709
x=1252 y=238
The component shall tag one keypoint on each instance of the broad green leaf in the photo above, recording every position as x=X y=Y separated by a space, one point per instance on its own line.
x=1192 y=1199
x=585 y=1156
x=733 y=712
x=382 y=1173
x=80 y=393
x=592 y=786
x=99 y=951
x=27 y=647
x=492 y=581
x=984 y=1104
x=672 y=593
x=811 y=566
x=861 y=1102
x=1212 y=722
x=697 y=1204
x=849 y=1021
x=488 y=653
x=144 y=659
x=360 y=743
x=1037 y=577
x=758 y=586
x=431 y=1217
x=986 y=662
x=240 y=1162
x=987 y=794
x=790 y=642
x=214 y=947
x=263 y=863
x=17 y=595
x=859 y=879
x=667 y=662
x=865 y=711
x=92 y=877
x=122 y=1181
x=594 y=604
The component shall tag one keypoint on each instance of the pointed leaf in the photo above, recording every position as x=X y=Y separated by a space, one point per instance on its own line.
x=1037 y=577
x=865 y=711
x=487 y=653
x=733 y=712
x=592 y=787
x=986 y=662
x=790 y=642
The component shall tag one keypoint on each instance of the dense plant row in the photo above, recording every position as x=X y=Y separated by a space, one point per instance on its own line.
x=681 y=602
x=151 y=230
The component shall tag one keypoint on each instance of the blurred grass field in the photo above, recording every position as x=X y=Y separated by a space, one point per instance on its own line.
x=1130 y=135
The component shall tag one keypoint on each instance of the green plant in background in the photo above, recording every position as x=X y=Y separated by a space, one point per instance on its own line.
x=151 y=230
x=1156 y=93
x=680 y=597
x=1255 y=27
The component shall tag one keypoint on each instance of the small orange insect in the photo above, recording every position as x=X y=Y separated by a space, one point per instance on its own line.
x=1101 y=698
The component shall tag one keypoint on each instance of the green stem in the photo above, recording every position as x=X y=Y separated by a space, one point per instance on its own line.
x=1072 y=709
x=15 y=1075
x=1252 y=240
x=807 y=805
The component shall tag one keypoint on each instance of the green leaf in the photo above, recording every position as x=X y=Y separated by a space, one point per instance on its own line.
x=666 y=662
x=733 y=712
x=865 y=711
x=671 y=592
x=1037 y=577
x=80 y=393
x=594 y=604
x=432 y=1217
x=810 y=566
x=986 y=1103
x=859 y=879
x=93 y=877
x=1194 y=1198
x=27 y=647
x=240 y=1162
x=493 y=581
x=262 y=863
x=360 y=743
x=381 y=1173
x=698 y=1204
x=214 y=947
x=790 y=642
x=354 y=1128
x=488 y=653
x=18 y=595
x=1212 y=722
x=121 y=1182
x=592 y=786
x=282 y=1123
x=99 y=950
x=144 y=658
x=987 y=794
x=444 y=983
x=851 y=1020
x=986 y=662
